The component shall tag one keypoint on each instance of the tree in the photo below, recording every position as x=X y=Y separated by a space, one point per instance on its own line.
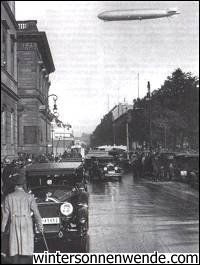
x=174 y=115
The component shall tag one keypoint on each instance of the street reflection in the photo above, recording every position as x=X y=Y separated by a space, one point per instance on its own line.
x=143 y=216
x=138 y=216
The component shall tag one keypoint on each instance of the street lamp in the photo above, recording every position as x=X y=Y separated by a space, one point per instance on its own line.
x=47 y=112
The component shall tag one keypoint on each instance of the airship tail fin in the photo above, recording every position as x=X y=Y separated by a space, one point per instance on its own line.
x=173 y=10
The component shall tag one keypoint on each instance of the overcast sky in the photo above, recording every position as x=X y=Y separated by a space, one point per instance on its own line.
x=95 y=59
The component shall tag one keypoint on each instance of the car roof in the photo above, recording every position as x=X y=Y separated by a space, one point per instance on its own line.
x=52 y=168
x=71 y=159
x=167 y=153
x=186 y=155
x=99 y=156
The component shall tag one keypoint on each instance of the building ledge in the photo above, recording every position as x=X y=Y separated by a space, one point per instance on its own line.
x=28 y=32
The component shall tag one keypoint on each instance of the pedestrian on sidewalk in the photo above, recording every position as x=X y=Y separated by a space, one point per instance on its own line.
x=18 y=223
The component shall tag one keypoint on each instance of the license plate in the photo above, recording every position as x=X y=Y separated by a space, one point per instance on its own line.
x=51 y=220
x=111 y=172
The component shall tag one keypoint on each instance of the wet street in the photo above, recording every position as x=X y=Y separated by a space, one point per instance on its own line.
x=138 y=217
x=143 y=216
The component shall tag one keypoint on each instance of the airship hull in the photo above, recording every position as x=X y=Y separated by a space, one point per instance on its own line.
x=135 y=14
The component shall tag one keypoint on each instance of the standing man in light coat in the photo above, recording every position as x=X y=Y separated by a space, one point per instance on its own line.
x=17 y=209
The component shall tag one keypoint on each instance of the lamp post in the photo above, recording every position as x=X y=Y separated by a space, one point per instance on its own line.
x=52 y=130
x=47 y=112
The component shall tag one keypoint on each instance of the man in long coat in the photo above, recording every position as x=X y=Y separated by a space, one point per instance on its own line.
x=17 y=209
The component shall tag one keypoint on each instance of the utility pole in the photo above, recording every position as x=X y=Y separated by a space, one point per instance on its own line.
x=138 y=77
x=150 y=127
x=127 y=138
x=114 y=136
x=113 y=127
x=127 y=133
x=165 y=128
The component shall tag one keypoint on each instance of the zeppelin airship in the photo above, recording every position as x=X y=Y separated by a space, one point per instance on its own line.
x=137 y=14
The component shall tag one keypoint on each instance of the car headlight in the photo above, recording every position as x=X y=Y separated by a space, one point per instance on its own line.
x=183 y=173
x=82 y=220
x=105 y=168
x=66 y=208
x=49 y=182
x=116 y=168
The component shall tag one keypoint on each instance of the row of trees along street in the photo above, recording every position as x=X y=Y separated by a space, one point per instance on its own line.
x=168 y=117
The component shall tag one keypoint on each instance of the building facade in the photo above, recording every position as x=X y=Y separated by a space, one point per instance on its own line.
x=9 y=95
x=113 y=129
x=35 y=64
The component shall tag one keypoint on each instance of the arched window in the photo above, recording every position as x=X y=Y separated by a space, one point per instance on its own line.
x=3 y=125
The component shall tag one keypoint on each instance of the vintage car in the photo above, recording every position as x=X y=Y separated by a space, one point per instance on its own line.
x=122 y=159
x=111 y=170
x=61 y=194
x=187 y=168
x=102 y=166
x=166 y=161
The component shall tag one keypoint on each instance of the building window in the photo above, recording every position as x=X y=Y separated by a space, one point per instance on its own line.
x=4 y=47
x=12 y=127
x=3 y=125
x=41 y=136
x=12 y=55
x=30 y=134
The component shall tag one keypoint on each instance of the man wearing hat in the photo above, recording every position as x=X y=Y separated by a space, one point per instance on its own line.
x=17 y=209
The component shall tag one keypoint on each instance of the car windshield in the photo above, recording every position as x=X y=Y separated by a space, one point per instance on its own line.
x=104 y=161
x=52 y=180
x=58 y=193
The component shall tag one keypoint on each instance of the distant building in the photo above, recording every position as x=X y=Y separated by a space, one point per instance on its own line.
x=120 y=109
x=35 y=64
x=112 y=129
x=85 y=139
x=62 y=137
x=9 y=97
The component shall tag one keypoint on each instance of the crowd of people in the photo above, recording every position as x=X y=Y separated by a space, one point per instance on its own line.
x=147 y=164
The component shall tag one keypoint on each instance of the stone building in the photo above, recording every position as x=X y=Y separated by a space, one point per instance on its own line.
x=35 y=64
x=9 y=97
x=113 y=129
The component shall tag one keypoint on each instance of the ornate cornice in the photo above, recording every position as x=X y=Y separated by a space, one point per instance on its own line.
x=10 y=13
x=43 y=46
x=9 y=92
x=9 y=75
